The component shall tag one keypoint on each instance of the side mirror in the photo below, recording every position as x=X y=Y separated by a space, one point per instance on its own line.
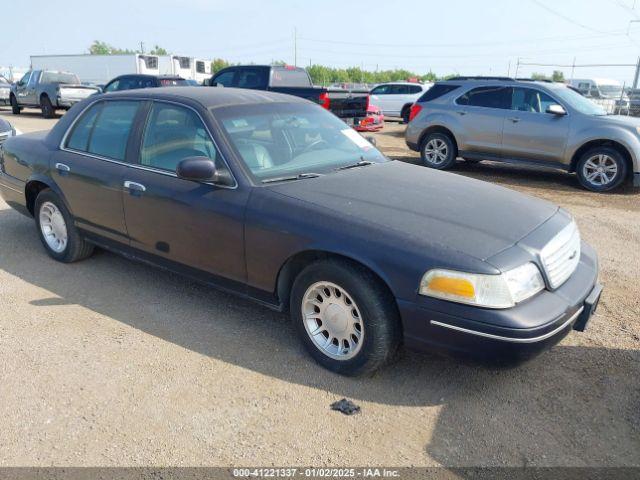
x=202 y=169
x=556 y=109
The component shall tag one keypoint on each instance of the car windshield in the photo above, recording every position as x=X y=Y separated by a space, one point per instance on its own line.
x=291 y=139
x=578 y=102
x=59 y=77
x=611 y=91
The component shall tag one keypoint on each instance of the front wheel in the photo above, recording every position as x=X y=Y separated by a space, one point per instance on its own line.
x=601 y=169
x=438 y=151
x=15 y=108
x=58 y=234
x=346 y=318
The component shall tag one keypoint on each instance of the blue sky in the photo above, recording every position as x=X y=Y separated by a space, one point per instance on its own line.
x=452 y=36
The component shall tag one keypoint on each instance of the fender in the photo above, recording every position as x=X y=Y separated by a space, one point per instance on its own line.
x=49 y=182
x=613 y=133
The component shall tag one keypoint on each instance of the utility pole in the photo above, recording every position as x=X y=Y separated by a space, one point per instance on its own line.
x=141 y=47
x=517 y=67
x=295 y=47
x=635 y=79
x=509 y=68
x=573 y=68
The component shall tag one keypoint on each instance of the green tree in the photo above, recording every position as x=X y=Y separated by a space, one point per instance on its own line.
x=558 y=76
x=157 y=50
x=218 y=64
x=539 y=76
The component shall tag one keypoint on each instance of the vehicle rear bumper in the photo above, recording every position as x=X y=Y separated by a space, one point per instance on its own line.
x=12 y=192
x=636 y=179
x=553 y=313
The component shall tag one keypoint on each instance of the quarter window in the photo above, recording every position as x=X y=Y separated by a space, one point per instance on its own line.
x=104 y=129
x=225 y=79
x=172 y=134
x=488 y=97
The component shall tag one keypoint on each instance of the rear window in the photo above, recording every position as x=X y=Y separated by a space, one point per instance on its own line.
x=488 y=97
x=173 y=82
x=59 y=77
x=290 y=77
x=437 y=91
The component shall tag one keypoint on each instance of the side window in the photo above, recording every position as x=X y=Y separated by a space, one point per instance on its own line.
x=34 y=78
x=172 y=134
x=79 y=137
x=112 y=87
x=225 y=79
x=437 y=91
x=488 y=97
x=251 y=78
x=399 y=90
x=381 y=90
x=530 y=100
x=25 y=78
x=413 y=89
x=104 y=129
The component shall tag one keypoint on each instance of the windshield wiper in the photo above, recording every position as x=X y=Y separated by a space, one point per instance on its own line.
x=299 y=176
x=361 y=163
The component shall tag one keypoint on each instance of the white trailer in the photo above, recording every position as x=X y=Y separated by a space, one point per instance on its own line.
x=177 y=65
x=201 y=70
x=97 y=69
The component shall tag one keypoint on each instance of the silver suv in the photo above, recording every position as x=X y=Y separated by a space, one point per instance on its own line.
x=529 y=122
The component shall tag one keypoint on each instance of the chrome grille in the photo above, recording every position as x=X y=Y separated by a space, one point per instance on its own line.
x=560 y=257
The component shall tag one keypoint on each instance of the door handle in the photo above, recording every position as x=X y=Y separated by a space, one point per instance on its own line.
x=134 y=187
x=61 y=167
x=461 y=112
x=514 y=119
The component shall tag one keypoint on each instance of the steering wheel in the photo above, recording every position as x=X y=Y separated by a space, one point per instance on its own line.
x=313 y=145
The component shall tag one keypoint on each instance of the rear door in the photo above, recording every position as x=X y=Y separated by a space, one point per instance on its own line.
x=481 y=112
x=199 y=225
x=381 y=96
x=89 y=168
x=530 y=133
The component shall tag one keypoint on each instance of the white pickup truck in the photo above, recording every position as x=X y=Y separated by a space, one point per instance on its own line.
x=48 y=90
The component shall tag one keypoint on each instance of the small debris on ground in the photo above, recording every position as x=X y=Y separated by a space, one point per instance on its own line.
x=345 y=406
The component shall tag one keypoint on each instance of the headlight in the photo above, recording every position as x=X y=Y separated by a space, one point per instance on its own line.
x=491 y=291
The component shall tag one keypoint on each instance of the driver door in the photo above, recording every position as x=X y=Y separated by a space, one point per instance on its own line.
x=198 y=225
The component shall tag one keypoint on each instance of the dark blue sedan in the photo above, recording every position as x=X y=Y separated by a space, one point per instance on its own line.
x=274 y=198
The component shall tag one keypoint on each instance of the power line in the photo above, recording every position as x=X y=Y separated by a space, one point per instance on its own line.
x=564 y=17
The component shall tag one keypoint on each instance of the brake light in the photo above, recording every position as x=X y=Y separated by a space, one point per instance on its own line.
x=415 y=110
x=325 y=101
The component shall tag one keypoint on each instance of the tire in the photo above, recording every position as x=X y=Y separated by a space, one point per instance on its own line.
x=601 y=169
x=75 y=248
x=15 y=108
x=438 y=151
x=46 y=107
x=351 y=288
x=405 y=114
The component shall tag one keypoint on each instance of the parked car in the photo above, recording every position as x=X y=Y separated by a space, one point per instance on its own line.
x=347 y=105
x=395 y=99
x=134 y=82
x=6 y=131
x=49 y=91
x=273 y=198
x=373 y=122
x=5 y=91
x=537 y=123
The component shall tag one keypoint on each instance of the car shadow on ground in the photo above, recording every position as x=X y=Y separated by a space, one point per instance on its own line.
x=572 y=405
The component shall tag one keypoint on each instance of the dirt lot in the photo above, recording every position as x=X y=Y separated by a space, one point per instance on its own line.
x=107 y=362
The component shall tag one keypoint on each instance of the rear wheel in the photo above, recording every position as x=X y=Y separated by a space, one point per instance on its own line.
x=15 y=108
x=601 y=169
x=46 y=107
x=346 y=318
x=438 y=151
x=58 y=234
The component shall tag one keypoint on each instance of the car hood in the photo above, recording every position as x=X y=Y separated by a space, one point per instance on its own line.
x=425 y=205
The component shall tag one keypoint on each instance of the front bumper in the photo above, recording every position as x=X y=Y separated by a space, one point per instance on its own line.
x=505 y=336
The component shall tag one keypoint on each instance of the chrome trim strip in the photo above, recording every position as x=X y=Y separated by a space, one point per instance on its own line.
x=137 y=165
x=11 y=188
x=510 y=339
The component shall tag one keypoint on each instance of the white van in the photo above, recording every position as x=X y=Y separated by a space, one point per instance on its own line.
x=598 y=87
x=201 y=70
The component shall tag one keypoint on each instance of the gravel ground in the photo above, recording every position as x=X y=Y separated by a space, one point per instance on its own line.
x=109 y=363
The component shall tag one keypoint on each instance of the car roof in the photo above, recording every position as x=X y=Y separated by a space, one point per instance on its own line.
x=209 y=97
x=521 y=82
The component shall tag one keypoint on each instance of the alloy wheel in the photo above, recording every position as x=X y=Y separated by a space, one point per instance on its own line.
x=436 y=151
x=600 y=170
x=53 y=227
x=332 y=320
